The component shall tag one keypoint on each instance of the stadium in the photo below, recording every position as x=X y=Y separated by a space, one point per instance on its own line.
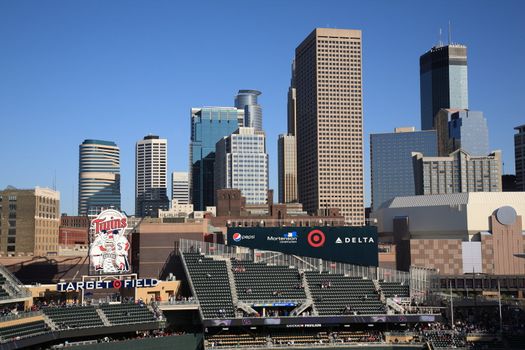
x=270 y=287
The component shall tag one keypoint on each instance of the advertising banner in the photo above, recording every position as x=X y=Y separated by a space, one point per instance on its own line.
x=318 y=321
x=77 y=286
x=351 y=245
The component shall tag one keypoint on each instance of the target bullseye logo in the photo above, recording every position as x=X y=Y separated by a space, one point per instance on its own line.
x=117 y=284
x=316 y=238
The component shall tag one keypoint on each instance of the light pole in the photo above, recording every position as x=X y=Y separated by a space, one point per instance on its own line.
x=451 y=303
x=500 y=313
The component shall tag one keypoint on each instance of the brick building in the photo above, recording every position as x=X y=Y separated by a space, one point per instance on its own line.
x=29 y=221
x=232 y=210
x=73 y=230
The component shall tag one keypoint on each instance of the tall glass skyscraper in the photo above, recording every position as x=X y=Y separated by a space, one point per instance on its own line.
x=519 y=156
x=443 y=81
x=247 y=101
x=241 y=162
x=391 y=162
x=208 y=126
x=99 y=177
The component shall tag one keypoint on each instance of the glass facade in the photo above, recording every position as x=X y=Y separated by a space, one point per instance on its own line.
x=519 y=156
x=208 y=126
x=443 y=81
x=99 y=177
x=391 y=162
x=247 y=101
x=468 y=130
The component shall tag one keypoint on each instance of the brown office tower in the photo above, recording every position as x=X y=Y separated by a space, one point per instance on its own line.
x=29 y=221
x=330 y=122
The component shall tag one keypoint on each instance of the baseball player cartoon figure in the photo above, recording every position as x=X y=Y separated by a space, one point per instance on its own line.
x=121 y=250
x=109 y=248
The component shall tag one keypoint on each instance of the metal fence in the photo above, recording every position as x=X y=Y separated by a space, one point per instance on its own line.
x=421 y=280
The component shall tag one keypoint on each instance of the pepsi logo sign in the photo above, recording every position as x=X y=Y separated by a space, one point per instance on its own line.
x=237 y=237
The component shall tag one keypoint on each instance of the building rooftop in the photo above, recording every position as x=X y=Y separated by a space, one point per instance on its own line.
x=251 y=92
x=98 y=142
x=453 y=199
x=520 y=128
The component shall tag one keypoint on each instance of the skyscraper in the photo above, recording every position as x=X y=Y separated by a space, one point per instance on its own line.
x=150 y=176
x=180 y=187
x=461 y=128
x=98 y=177
x=330 y=122
x=208 y=126
x=247 y=101
x=443 y=81
x=241 y=162
x=459 y=172
x=287 y=150
x=287 y=158
x=391 y=162
x=519 y=157
x=292 y=104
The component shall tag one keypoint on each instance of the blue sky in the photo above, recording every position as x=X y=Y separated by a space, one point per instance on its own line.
x=118 y=70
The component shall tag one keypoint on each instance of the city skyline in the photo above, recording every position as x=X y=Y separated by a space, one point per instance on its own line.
x=96 y=93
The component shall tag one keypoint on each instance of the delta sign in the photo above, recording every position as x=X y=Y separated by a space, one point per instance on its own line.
x=351 y=245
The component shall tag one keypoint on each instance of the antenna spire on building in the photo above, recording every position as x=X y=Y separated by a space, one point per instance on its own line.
x=449 y=33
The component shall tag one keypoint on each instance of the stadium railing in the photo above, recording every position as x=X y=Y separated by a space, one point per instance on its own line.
x=19 y=316
x=13 y=286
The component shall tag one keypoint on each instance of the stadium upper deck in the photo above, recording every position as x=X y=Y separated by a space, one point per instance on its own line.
x=237 y=286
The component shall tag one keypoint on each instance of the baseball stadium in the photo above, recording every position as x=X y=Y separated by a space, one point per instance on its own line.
x=245 y=295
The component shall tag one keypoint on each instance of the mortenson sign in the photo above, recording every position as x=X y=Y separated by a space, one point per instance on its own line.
x=352 y=245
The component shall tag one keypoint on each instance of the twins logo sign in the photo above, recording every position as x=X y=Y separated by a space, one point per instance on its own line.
x=108 y=251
